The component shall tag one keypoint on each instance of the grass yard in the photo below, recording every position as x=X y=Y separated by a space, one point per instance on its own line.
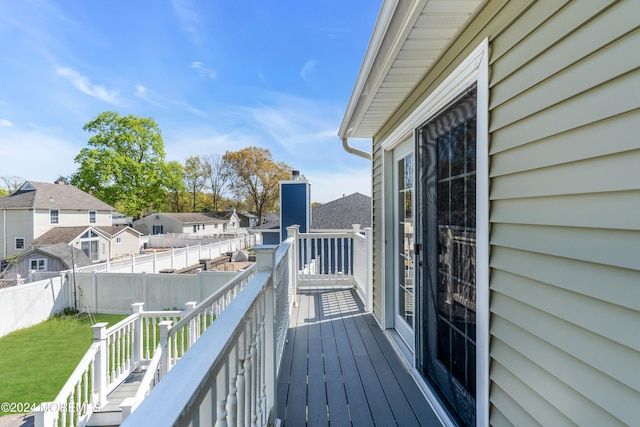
x=37 y=361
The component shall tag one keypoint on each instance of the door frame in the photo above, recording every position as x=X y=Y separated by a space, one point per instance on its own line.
x=474 y=69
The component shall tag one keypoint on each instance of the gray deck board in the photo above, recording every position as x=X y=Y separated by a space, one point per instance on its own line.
x=340 y=370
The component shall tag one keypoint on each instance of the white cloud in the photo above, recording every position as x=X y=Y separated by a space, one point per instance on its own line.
x=328 y=185
x=5 y=123
x=160 y=101
x=83 y=84
x=36 y=154
x=308 y=71
x=202 y=70
x=188 y=18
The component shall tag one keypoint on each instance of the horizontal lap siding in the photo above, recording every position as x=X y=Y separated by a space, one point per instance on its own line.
x=565 y=205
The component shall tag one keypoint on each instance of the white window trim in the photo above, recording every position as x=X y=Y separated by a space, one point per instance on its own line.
x=95 y=217
x=58 y=216
x=15 y=243
x=474 y=69
x=38 y=259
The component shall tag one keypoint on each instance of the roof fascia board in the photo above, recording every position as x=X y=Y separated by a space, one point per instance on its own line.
x=379 y=31
x=386 y=56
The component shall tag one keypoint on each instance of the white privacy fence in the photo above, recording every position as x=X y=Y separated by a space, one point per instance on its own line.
x=174 y=258
x=28 y=304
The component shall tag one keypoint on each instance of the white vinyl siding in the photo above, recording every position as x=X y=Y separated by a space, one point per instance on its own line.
x=565 y=193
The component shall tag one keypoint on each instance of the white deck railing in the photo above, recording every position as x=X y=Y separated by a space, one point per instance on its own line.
x=336 y=258
x=229 y=375
x=115 y=353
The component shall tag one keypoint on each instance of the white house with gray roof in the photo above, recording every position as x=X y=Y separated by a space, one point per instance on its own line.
x=194 y=223
x=37 y=207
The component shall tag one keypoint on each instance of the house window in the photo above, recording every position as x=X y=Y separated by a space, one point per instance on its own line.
x=195 y=228
x=38 y=264
x=54 y=216
x=19 y=243
x=118 y=240
x=157 y=229
x=92 y=217
x=89 y=243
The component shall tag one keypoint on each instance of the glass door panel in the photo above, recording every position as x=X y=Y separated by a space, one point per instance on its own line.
x=404 y=289
x=447 y=231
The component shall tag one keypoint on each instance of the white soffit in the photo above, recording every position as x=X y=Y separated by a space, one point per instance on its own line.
x=408 y=37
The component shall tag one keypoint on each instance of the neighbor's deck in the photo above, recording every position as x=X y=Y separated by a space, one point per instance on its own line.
x=339 y=369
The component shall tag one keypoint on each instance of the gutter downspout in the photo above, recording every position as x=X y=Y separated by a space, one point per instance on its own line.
x=355 y=151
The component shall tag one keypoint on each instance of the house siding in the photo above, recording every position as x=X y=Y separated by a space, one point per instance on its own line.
x=564 y=241
x=17 y=223
x=564 y=201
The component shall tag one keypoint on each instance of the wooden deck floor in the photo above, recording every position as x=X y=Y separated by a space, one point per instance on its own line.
x=339 y=369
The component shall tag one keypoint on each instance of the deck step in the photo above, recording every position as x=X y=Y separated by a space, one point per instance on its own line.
x=111 y=413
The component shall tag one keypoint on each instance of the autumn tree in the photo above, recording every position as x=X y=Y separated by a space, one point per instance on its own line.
x=124 y=163
x=255 y=177
x=195 y=177
x=11 y=183
x=217 y=175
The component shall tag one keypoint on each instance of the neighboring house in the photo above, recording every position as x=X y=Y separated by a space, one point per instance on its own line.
x=37 y=207
x=506 y=187
x=339 y=214
x=98 y=243
x=47 y=259
x=121 y=220
x=247 y=219
x=198 y=224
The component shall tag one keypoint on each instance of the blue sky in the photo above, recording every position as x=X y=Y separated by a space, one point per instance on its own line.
x=215 y=75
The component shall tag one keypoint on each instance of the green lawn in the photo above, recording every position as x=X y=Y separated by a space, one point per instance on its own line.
x=37 y=361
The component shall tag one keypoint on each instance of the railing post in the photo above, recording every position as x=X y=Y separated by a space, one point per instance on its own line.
x=266 y=261
x=164 y=340
x=155 y=260
x=193 y=330
x=292 y=233
x=172 y=256
x=101 y=368
x=137 y=308
x=43 y=417
x=368 y=242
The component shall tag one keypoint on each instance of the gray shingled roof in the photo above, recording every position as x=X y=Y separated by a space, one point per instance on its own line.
x=341 y=214
x=192 y=217
x=42 y=195
x=61 y=251
x=60 y=235
x=338 y=214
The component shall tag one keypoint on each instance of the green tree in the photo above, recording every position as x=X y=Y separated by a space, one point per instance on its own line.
x=194 y=177
x=124 y=164
x=256 y=177
x=175 y=186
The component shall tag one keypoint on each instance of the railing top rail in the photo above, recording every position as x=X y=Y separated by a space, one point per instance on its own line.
x=70 y=385
x=149 y=374
x=333 y=235
x=214 y=296
x=184 y=381
x=157 y=313
x=121 y=324
x=282 y=249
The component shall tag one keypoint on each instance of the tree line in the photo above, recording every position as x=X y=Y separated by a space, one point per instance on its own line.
x=124 y=165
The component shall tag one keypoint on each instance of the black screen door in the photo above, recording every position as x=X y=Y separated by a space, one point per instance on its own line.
x=446 y=233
